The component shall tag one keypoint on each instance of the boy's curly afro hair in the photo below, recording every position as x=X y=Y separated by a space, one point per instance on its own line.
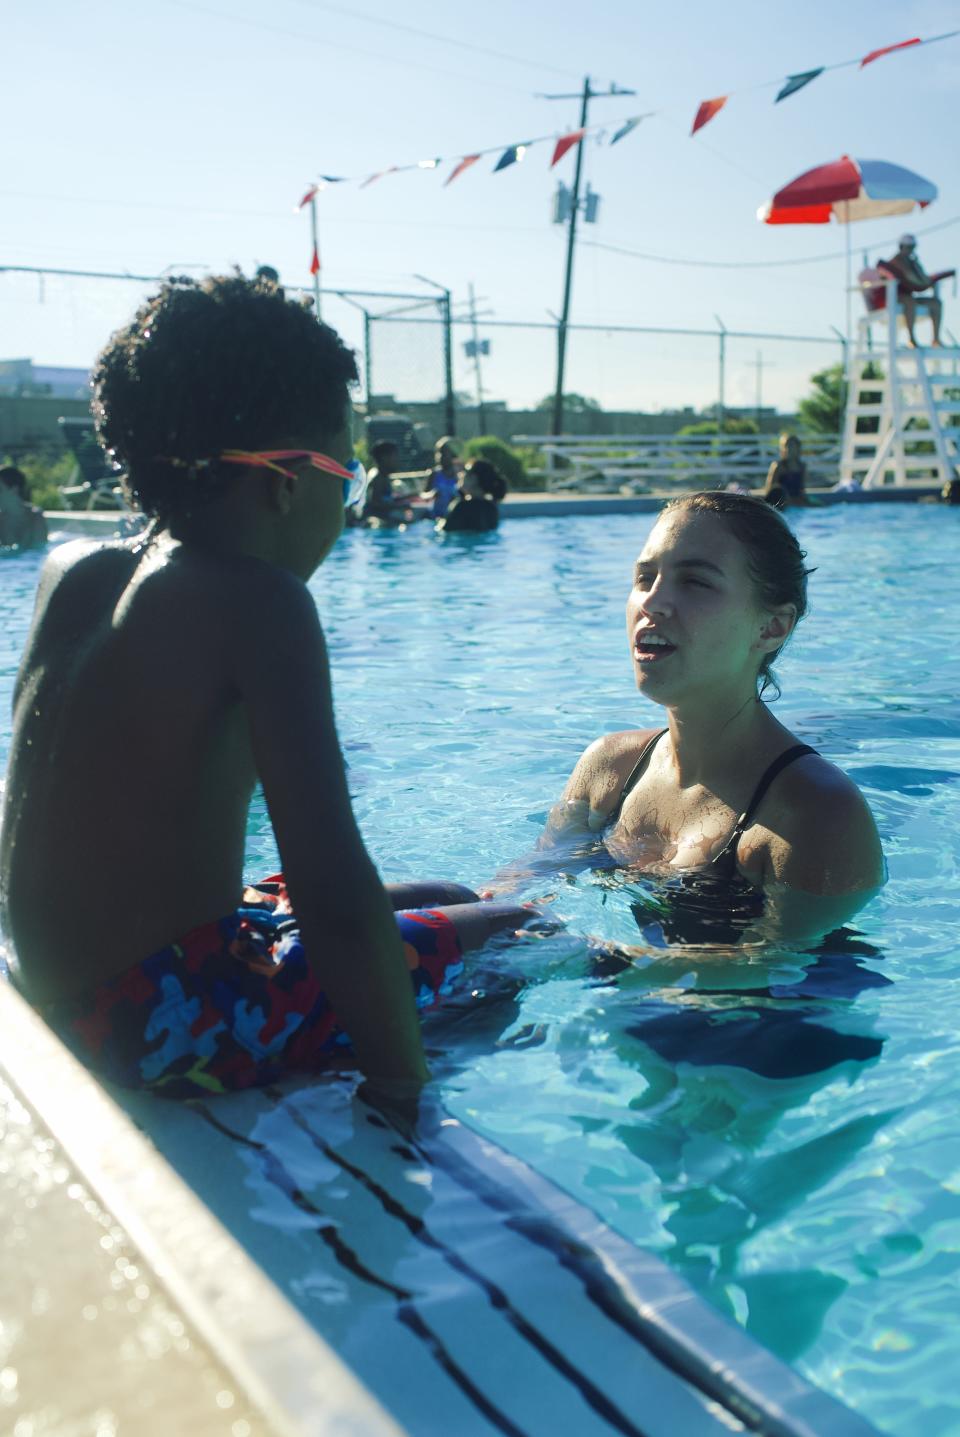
x=222 y=363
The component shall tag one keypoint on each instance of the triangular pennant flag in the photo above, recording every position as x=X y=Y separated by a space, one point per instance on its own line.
x=378 y=176
x=510 y=156
x=626 y=128
x=464 y=164
x=797 y=82
x=308 y=196
x=889 y=49
x=565 y=143
x=315 y=261
x=706 y=112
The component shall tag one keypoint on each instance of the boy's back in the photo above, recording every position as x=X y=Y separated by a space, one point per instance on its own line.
x=128 y=718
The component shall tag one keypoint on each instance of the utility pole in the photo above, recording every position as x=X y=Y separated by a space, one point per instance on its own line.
x=585 y=97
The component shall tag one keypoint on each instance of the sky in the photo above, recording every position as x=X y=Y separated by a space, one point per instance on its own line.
x=178 y=136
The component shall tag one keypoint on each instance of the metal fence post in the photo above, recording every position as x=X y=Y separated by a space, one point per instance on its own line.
x=449 y=398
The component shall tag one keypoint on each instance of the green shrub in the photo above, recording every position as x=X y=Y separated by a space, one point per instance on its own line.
x=504 y=457
x=45 y=473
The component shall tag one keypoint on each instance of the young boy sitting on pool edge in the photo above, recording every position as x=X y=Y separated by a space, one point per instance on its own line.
x=162 y=678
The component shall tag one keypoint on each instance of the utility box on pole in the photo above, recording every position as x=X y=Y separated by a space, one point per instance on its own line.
x=562 y=204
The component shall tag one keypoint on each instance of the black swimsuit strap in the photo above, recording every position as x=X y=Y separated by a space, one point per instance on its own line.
x=790 y=755
x=727 y=857
x=633 y=777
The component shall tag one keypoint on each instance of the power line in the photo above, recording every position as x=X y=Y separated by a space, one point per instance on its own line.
x=353 y=14
x=327 y=44
x=757 y=263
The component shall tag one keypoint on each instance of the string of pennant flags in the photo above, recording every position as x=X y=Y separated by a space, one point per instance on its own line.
x=512 y=154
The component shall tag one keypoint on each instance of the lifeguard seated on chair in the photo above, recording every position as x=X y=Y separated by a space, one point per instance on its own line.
x=911 y=279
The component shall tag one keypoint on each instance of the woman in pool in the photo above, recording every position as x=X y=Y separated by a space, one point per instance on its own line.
x=754 y=833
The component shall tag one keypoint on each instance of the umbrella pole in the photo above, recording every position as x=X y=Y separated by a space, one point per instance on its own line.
x=846 y=206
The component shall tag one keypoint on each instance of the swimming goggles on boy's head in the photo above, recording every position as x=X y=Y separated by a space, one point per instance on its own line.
x=353 y=474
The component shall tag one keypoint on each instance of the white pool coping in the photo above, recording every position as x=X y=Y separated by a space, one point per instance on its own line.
x=296 y=1381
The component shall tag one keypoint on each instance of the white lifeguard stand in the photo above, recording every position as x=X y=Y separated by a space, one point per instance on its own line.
x=915 y=402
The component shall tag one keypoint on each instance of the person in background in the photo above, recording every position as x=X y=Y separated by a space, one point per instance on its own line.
x=381 y=506
x=950 y=493
x=786 y=483
x=444 y=477
x=475 y=509
x=911 y=279
x=22 y=525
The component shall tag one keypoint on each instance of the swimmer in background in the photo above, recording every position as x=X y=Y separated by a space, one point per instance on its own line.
x=475 y=509
x=163 y=677
x=381 y=506
x=788 y=475
x=444 y=478
x=753 y=835
x=22 y=525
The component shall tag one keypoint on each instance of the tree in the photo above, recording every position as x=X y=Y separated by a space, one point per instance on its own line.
x=822 y=410
x=572 y=403
x=731 y=425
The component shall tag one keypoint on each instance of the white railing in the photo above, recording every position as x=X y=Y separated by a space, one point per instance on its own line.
x=638 y=463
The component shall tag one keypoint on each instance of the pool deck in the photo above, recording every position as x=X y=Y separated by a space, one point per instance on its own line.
x=104 y=523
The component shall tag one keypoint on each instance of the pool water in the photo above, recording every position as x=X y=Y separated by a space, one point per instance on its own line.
x=783 y=1128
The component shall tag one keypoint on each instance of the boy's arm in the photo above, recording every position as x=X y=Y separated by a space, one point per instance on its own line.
x=349 y=932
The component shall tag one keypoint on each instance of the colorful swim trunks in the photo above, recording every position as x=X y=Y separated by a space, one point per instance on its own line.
x=234 y=1004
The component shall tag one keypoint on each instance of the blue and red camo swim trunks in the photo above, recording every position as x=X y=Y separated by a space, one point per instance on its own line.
x=234 y=1004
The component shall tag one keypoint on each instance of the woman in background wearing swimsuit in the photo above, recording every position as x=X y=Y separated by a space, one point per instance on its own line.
x=751 y=830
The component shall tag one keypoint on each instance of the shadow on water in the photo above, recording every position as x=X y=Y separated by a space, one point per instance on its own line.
x=724 y=1047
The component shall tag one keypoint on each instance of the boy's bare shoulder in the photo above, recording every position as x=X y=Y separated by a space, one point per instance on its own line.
x=159 y=587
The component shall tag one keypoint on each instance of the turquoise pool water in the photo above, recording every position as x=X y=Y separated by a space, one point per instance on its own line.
x=784 y=1131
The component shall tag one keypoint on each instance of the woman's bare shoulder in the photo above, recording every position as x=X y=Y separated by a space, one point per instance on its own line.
x=604 y=767
x=822 y=834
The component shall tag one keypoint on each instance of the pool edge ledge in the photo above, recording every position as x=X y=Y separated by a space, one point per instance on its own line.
x=290 y=1375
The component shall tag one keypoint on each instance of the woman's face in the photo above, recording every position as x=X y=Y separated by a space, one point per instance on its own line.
x=697 y=633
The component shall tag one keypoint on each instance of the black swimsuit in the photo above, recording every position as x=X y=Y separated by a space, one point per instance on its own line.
x=715 y=903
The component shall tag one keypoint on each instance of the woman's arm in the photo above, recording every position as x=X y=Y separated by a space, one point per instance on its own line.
x=571 y=834
x=771 y=478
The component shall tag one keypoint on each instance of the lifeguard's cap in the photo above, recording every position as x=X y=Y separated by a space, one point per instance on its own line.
x=905 y=240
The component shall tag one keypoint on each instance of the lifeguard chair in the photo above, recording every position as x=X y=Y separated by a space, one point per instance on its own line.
x=902 y=421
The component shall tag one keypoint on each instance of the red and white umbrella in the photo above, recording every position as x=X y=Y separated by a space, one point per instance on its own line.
x=846 y=190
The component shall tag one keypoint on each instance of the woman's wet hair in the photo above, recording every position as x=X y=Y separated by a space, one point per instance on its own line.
x=14 y=478
x=221 y=363
x=774 y=558
x=489 y=478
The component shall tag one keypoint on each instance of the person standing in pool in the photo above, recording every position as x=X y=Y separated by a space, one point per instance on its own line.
x=444 y=478
x=751 y=831
x=163 y=677
x=787 y=476
x=475 y=510
x=22 y=525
